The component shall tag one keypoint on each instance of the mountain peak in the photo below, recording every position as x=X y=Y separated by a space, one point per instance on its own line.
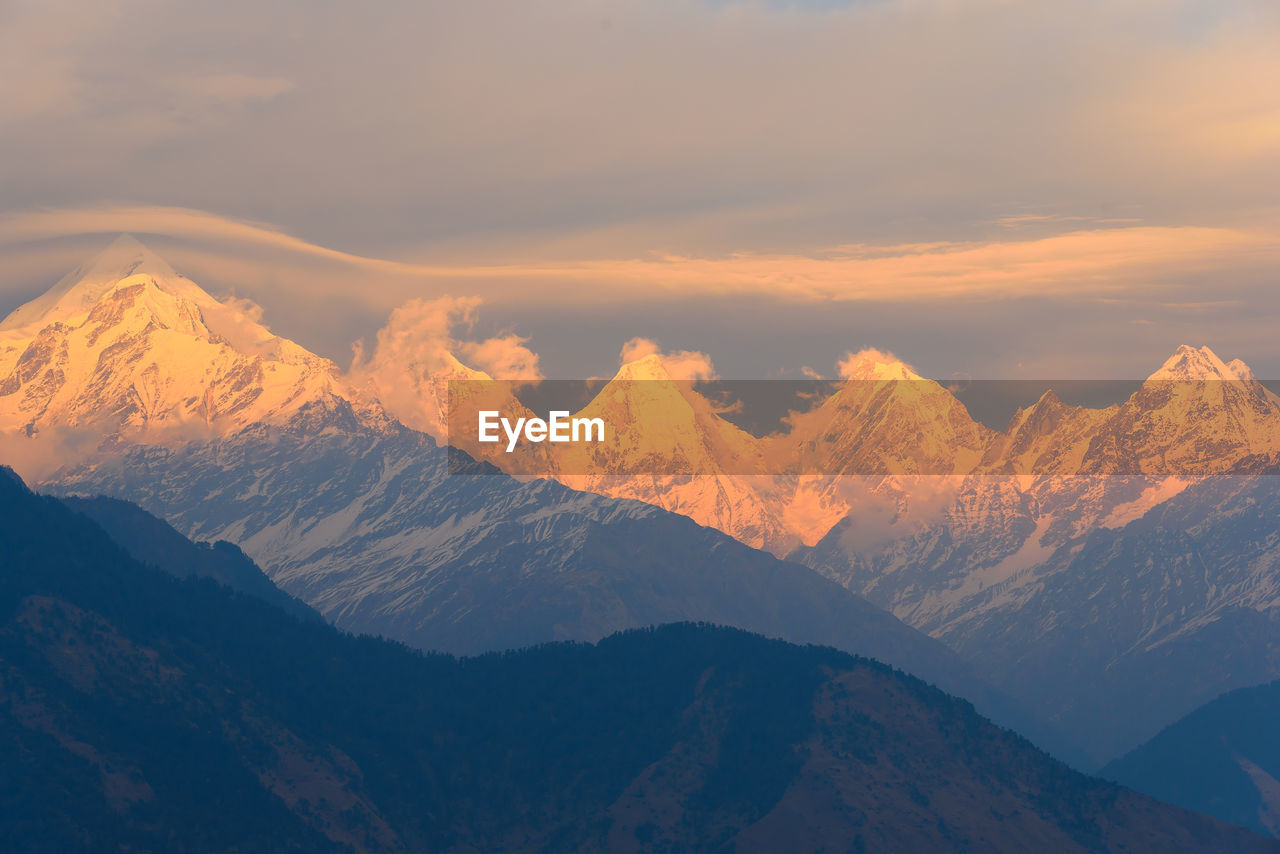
x=1048 y=400
x=125 y=347
x=1046 y=409
x=1190 y=363
x=649 y=367
x=78 y=291
x=126 y=256
x=871 y=364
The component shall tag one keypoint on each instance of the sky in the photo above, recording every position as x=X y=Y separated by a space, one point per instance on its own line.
x=987 y=188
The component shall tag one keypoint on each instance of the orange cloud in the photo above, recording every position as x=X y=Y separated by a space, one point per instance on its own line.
x=1117 y=261
x=421 y=336
x=422 y=347
x=680 y=364
x=1098 y=261
x=503 y=357
x=847 y=367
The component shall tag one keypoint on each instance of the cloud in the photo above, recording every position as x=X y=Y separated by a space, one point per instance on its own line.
x=54 y=447
x=1098 y=261
x=848 y=366
x=885 y=509
x=637 y=349
x=419 y=337
x=422 y=346
x=568 y=157
x=950 y=303
x=680 y=364
x=503 y=357
x=1026 y=219
x=187 y=223
x=426 y=337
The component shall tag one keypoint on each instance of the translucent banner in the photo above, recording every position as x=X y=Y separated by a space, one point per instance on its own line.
x=863 y=427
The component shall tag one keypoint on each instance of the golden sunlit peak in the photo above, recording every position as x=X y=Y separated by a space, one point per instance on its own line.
x=1191 y=363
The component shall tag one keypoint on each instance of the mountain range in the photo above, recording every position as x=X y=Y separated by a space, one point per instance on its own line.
x=1194 y=416
x=1096 y=565
x=362 y=518
x=1111 y=568
x=140 y=711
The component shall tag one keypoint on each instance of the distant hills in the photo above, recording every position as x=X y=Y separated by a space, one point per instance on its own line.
x=1109 y=629
x=154 y=542
x=142 y=711
x=1222 y=759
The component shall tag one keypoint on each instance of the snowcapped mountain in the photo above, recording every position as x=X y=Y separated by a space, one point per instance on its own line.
x=702 y=464
x=1056 y=475
x=667 y=446
x=659 y=420
x=886 y=419
x=774 y=492
x=429 y=387
x=1048 y=436
x=1085 y=591
x=194 y=410
x=1195 y=415
x=126 y=349
x=1113 y=601
x=884 y=426
x=993 y=557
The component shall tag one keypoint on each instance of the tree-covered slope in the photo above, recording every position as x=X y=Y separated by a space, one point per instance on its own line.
x=1222 y=759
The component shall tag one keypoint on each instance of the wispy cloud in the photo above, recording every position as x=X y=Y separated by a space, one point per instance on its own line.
x=1120 y=261
x=1025 y=219
x=679 y=364
x=176 y=222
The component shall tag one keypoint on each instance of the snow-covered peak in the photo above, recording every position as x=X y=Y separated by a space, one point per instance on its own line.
x=1191 y=364
x=123 y=257
x=1046 y=408
x=80 y=290
x=650 y=367
x=127 y=265
x=1048 y=402
x=125 y=348
x=1196 y=415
